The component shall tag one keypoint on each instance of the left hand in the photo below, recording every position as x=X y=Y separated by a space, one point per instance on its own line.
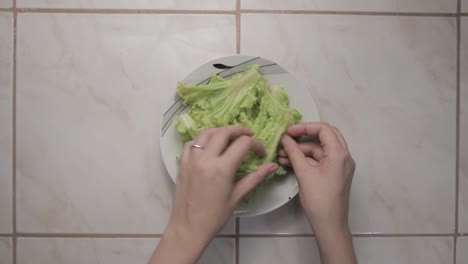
x=206 y=194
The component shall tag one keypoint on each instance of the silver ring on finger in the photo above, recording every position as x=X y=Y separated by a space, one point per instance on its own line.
x=197 y=146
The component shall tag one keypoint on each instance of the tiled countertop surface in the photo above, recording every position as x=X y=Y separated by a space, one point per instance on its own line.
x=83 y=84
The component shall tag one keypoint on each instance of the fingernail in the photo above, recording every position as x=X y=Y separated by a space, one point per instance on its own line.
x=273 y=167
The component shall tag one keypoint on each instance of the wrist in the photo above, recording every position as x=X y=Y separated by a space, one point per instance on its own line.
x=187 y=230
x=335 y=243
x=328 y=229
x=331 y=221
x=330 y=226
x=331 y=230
x=183 y=240
x=185 y=236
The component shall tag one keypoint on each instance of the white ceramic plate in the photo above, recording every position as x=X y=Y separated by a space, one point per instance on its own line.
x=282 y=189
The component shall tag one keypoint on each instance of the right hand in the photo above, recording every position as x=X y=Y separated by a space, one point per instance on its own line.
x=324 y=169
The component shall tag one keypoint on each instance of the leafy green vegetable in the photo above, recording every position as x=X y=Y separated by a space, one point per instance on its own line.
x=245 y=99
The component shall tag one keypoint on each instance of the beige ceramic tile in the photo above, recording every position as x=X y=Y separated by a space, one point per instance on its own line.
x=464 y=5
x=414 y=250
x=132 y=4
x=6 y=115
x=278 y=250
x=389 y=83
x=463 y=170
x=6 y=3
x=288 y=219
x=355 y=5
x=108 y=250
x=462 y=250
x=5 y=250
x=91 y=91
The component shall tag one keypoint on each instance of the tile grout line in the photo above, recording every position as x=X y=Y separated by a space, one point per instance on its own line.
x=353 y=235
x=14 y=238
x=236 y=12
x=237 y=242
x=124 y=11
x=330 y=12
x=238 y=43
x=275 y=235
x=91 y=235
x=101 y=235
x=238 y=26
x=235 y=236
x=457 y=133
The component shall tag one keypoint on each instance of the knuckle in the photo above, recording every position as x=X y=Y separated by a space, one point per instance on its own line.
x=188 y=144
x=353 y=163
x=237 y=127
x=256 y=142
x=202 y=133
x=232 y=128
x=342 y=155
x=328 y=128
x=348 y=157
x=206 y=132
x=225 y=129
x=245 y=139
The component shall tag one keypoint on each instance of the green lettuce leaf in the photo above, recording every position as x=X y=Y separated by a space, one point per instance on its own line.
x=245 y=99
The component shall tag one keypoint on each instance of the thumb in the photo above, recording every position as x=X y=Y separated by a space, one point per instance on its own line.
x=251 y=180
x=295 y=154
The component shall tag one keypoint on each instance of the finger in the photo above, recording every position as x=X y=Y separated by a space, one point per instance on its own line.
x=340 y=137
x=282 y=153
x=310 y=149
x=328 y=138
x=312 y=161
x=250 y=181
x=295 y=154
x=224 y=135
x=284 y=161
x=185 y=154
x=203 y=138
x=236 y=152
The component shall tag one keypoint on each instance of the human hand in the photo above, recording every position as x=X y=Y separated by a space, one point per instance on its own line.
x=324 y=169
x=206 y=194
